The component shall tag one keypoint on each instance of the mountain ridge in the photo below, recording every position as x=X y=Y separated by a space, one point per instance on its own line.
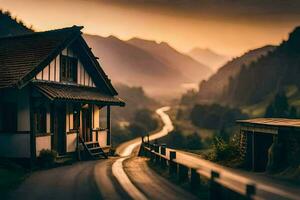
x=271 y=74
x=212 y=89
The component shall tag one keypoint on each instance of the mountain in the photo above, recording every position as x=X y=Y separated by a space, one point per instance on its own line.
x=209 y=57
x=11 y=26
x=128 y=64
x=270 y=74
x=190 y=68
x=157 y=67
x=212 y=89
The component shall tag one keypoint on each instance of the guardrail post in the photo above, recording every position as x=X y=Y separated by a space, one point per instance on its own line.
x=183 y=172
x=250 y=190
x=172 y=164
x=215 y=192
x=195 y=180
x=163 y=162
x=152 y=156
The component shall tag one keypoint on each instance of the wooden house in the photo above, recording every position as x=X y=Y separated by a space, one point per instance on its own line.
x=54 y=95
x=270 y=142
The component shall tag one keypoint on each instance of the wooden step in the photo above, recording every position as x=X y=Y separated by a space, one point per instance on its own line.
x=92 y=142
x=95 y=149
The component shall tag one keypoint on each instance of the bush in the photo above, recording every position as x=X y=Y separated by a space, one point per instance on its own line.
x=226 y=152
x=47 y=158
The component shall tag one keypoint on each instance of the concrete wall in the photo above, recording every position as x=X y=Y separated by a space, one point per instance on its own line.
x=42 y=142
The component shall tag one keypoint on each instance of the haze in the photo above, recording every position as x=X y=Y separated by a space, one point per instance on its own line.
x=227 y=27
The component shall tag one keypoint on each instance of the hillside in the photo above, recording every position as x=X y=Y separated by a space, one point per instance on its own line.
x=269 y=75
x=190 y=68
x=135 y=99
x=10 y=26
x=212 y=89
x=209 y=57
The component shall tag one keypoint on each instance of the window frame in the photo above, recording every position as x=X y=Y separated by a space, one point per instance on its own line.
x=68 y=69
x=40 y=120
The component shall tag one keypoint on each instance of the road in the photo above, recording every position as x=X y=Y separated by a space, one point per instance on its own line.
x=69 y=182
x=134 y=175
x=103 y=179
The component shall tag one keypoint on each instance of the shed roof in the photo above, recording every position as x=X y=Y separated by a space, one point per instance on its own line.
x=276 y=122
x=72 y=92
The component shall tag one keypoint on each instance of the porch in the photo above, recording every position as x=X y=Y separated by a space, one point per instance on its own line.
x=71 y=121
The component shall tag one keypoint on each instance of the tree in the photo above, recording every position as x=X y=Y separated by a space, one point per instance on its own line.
x=279 y=107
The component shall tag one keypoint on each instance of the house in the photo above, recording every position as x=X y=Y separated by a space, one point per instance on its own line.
x=54 y=95
x=270 y=143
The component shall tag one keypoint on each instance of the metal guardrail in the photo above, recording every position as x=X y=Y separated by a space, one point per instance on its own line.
x=219 y=187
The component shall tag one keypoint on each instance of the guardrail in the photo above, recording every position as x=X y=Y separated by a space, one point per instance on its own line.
x=220 y=187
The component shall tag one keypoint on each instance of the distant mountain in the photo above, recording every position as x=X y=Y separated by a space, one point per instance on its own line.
x=209 y=57
x=189 y=67
x=11 y=26
x=268 y=75
x=128 y=64
x=212 y=89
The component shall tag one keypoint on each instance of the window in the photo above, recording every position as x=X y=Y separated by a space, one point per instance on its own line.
x=68 y=69
x=40 y=123
x=8 y=117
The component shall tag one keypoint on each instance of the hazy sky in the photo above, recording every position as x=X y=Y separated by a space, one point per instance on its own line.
x=229 y=27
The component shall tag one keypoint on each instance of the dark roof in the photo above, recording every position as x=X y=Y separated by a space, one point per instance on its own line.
x=277 y=122
x=22 y=54
x=73 y=92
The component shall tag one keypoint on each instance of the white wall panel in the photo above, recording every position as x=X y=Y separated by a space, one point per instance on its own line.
x=42 y=142
x=46 y=73
x=71 y=142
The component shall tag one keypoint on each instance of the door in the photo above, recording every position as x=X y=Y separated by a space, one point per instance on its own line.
x=262 y=143
x=86 y=124
x=59 y=126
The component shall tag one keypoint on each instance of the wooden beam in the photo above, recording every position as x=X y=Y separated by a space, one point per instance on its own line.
x=32 y=132
x=108 y=126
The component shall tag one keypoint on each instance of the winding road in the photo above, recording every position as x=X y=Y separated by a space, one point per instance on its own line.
x=124 y=177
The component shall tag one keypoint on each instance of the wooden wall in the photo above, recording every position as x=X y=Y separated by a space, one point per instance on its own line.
x=52 y=71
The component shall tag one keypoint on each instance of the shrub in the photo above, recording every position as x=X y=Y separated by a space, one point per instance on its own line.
x=47 y=158
x=224 y=151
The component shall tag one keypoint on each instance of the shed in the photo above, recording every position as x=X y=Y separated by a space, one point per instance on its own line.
x=259 y=137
